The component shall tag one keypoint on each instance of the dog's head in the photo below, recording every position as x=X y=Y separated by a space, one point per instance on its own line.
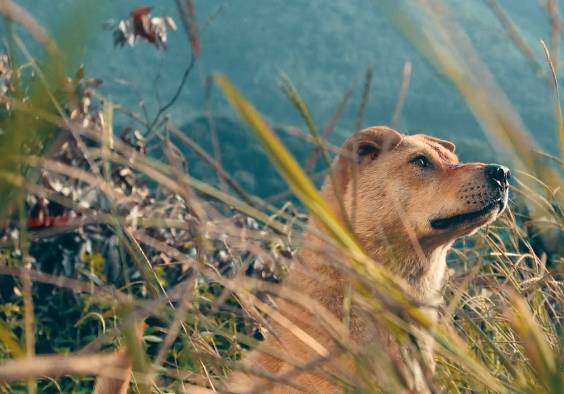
x=414 y=187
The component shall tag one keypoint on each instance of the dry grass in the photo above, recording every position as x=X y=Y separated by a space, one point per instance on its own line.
x=194 y=264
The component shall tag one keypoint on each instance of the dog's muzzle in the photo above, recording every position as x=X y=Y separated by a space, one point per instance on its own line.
x=496 y=197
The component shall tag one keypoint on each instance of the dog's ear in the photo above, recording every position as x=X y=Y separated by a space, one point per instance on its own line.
x=372 y=142
x=445 y=144
x=364 y=146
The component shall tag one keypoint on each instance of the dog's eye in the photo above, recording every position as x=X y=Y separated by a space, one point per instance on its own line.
x=421 y=161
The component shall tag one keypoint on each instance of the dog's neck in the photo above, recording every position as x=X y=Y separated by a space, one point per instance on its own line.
x=428 y=282
x=424 y=271
x=421 y=267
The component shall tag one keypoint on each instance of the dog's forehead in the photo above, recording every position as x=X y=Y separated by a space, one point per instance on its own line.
x=421 y=141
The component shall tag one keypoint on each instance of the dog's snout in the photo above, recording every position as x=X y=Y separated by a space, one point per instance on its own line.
x=498 y=174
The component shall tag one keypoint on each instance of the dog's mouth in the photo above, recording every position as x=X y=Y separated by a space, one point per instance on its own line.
x=456 y=220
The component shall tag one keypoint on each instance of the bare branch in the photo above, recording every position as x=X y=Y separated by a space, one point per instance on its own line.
x=75 y=285
x=55 y=366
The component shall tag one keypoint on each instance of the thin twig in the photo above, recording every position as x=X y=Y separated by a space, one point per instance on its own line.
x=175 y=327
x=213 y=163
x=364 y=99
x=179 y=89
x=75 y=285
x=186 y=10
x=328 y=129
x=27 y=287
x=402 y=94
x=212 y=128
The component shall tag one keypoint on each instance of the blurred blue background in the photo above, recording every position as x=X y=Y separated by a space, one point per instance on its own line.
x=322 y=46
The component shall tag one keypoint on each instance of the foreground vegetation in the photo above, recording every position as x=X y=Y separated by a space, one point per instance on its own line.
x=105 y=233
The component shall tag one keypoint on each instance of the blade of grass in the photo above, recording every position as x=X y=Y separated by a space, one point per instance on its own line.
x=294 y=96
x=364 y=99
x=554 y=15
x=188 y=14
x=557 y=106
x=10 y=340
x=539 y=353
x=328 y=129
x=289 y=167
x=402 y=94
x=515 y=36
x=107 y=139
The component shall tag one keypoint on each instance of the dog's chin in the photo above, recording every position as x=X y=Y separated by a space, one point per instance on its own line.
x=471 y=220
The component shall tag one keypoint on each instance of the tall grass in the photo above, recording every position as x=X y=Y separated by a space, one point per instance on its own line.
x=138 y=245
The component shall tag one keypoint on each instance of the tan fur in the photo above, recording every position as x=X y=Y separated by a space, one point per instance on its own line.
x=395 y=202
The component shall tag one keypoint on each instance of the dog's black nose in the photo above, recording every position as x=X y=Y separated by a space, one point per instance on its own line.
x=498 y=174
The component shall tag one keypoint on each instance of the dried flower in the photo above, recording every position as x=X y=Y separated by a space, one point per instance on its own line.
x=140 y=23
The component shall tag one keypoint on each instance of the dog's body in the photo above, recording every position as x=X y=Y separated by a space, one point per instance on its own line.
x=408 y=202
x=412 y=200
